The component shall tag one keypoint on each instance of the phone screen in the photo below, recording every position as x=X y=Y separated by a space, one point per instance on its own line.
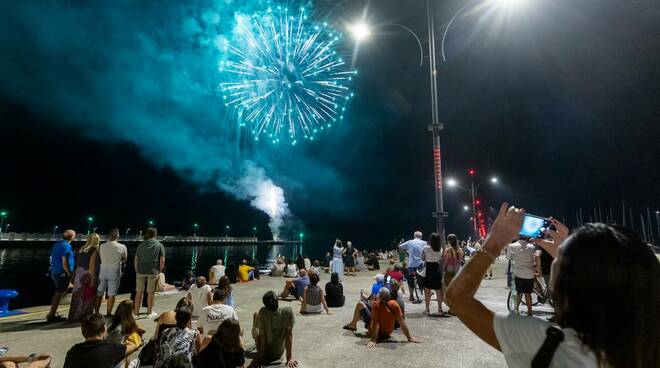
x=534 y=226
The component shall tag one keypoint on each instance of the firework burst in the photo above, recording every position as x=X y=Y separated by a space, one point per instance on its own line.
x=283 y=77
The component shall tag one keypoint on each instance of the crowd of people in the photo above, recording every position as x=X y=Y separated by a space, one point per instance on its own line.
x=582 y=272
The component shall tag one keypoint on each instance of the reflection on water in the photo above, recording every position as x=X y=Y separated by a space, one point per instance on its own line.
x=25 y=266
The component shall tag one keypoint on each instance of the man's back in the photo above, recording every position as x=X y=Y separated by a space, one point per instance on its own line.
x=61 y=248
x=275 y=326
x=94 y=353
x=112 y=253
x=522 y=256
x=414 y=248
x=148 y=253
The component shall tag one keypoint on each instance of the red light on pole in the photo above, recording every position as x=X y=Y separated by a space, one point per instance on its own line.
x=472 y=172
x=477 y=202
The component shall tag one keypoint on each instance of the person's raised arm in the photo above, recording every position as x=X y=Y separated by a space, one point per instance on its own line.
x=460 y=294
x=556 y=238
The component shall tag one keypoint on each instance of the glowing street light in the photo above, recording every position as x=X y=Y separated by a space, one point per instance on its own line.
x=151 y=223
x=55 y=230
x=254 y=231
x=3 y=215
x=195 y=227
x=451 y=182
x=472 y=191
x=360 y=31
x=90 y=221
x=227 y=227
x=466 y=208
x=494 y=180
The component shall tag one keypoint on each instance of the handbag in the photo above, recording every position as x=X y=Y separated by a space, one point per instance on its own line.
x=421 y=271
x=553 y=337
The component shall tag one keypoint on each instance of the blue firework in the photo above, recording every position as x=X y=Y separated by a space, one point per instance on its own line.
x=283 y=78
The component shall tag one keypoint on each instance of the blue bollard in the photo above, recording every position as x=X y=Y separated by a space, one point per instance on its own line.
x=5 y=296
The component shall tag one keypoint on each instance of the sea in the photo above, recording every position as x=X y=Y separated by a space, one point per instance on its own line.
x=25 y=265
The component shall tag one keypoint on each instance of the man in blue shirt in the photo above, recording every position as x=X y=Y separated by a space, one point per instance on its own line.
x=414 y=249
x=61 y=269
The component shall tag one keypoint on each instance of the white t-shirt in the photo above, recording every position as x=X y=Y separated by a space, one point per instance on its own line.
x=520 y=338
x=291 y=270
x=522 y=256
x=199 y=298
x=213 y=315
x=111 y=254
x=218 y=272
x=430 y=255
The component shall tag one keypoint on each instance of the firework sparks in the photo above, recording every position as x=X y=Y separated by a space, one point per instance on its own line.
x=284 y=79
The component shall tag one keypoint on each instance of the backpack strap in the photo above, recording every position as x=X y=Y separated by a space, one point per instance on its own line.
x=553 y=337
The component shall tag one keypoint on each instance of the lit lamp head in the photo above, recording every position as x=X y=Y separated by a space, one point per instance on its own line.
x=494 y=180
x=466 y=208
x=452 y=182
x=360 y=31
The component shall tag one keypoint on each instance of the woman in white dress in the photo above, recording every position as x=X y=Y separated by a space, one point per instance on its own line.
x=337 y=258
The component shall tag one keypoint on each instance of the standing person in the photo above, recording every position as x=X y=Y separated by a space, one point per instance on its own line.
x=432 y=257
x=337 y=258
x=334 y=292
x=225 y=286
x=272 y=330
x=112 y=254
x=200 y=294
x=216 y=272
x=414 y=248
x=212 y=316
x=149 y=262
x=349 y=259
x=62 y=263
x=385 y=312
x=522 y=257
x=83 y=296
x=451 y=261
x=543 y=262
x=326 y=261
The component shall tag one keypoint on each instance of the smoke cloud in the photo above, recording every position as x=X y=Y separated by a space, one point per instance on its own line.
x=139 y=72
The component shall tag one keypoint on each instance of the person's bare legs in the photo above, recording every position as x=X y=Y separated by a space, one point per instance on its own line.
x=528 y=301
x=97 y=303
x=427 y=299
x=356 y=315
x=150 y=302
x=439 y=296
x=517 y=303
x=287 y=289
x=138 y=301
x=54 y=304
x=110 y=302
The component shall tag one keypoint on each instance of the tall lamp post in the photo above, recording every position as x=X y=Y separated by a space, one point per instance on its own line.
x=151 y=223
x=195 y=227
x=254 y=231
x=90 y=221
x=55 y=230
x=472 y=191
x=3 y=215
x=227 y=227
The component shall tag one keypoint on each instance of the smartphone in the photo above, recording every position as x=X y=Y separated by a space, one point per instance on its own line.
x=534 y=226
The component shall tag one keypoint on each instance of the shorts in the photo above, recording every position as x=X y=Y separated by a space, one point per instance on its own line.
x=61 y=282
x=141 y=279
x=108 y=281
x=524 y=286
x=365 y=313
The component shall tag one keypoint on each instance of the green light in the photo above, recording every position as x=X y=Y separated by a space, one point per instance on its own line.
x=151 y=222
x=227 y=227
x=301 y=235
x=90 y=219
x=195 y=226
x=4 y=213
x=254 y=228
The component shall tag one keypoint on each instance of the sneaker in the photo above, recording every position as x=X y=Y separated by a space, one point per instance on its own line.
x=152 y=315
x=55 y=318
x=135 y=316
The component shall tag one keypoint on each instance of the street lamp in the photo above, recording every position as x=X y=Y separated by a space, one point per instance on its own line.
x=254 y=231
x=227 y=227
x=7 y=228
x=3 y=215
x=151 y=223
x=90 y=221
x=127 y=230
x=55 y=230
x=301 y=236
x=466 y=208
x=195 y=227
x=472 y=191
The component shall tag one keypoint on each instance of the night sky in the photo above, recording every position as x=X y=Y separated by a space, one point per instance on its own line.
x=560 y=100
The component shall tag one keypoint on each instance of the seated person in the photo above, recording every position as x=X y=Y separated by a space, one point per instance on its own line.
x=278 y=268
x=326 y=261
x=225 y=348
x=273 y=333
x=32 y=361
x=212 y=316
x=363 y=307
x=200 y=294
x=385 y=312
x=95 y=351
x=360 y=266
x=316 y=267
x=245 y=272
x=216 y=272
x=394 y=272
x=255 y=265
x=291 y=269
x=307 y=262
x=161 y=285
x=372 y=263
x=334 y=292
x=168 y=319
x=188 y=281
x=296 y=286
x=313 y=299
x=180 y=339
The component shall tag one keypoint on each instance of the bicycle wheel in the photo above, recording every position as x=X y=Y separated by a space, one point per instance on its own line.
x=510 y=301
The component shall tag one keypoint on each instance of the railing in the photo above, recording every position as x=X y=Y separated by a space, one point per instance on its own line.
x=37 y=237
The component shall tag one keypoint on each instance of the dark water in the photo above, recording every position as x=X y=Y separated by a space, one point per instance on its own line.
x=24 y=266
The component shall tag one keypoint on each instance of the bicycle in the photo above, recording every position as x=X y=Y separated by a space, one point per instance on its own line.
x=540 y=290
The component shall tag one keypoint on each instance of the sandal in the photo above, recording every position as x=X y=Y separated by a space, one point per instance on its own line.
x=348 y=327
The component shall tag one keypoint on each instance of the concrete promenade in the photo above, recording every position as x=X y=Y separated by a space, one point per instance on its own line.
x=319 y=340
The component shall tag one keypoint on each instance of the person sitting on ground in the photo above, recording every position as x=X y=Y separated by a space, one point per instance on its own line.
x=245 y=272
x=363 y=307
x=167 y=319
x=296 y=286
x=396 y=295
x=278 y=268
x=123 y=329
x=162 y=285
x=188 y=281
x=595 y=263
x=225 y=286
x=212 y=316
x=313 y=301
x=225 y=348
x=273 y=332
x=216 y=272
x=177 y=361
x=254 y=263
x=326 y=261
x=316 y=268
x=360 y=266
x=180 y=339
x=394 y=272
x=200 y=294
x=33 y=361
x=291 y=269
x=334 y=292
x=95 y=351
x=372 y=263
x=308 y=263
x=385 y=312
x=522 y=257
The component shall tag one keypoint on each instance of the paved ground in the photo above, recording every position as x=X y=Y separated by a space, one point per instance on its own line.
x=319 y=341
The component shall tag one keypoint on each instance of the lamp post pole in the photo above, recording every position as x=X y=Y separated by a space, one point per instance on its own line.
x=54 y=230
x=3 y=215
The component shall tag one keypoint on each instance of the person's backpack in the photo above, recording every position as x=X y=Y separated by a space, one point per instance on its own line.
x=553 y=337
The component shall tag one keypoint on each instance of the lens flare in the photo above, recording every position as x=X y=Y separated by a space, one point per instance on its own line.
x=283 y=78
